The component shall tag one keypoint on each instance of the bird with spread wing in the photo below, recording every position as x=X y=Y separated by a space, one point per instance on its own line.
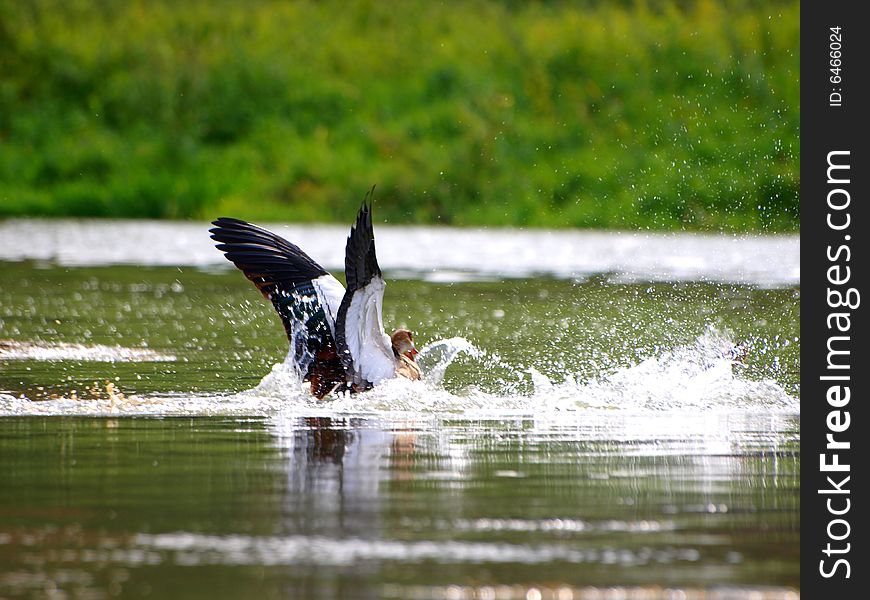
x=337 y=339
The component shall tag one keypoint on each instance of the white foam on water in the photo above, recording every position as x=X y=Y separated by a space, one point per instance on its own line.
x=700 y=378
x=57 y=351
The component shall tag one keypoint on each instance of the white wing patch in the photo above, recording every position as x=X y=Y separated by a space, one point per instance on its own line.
x=370 y=347
x=330 y=292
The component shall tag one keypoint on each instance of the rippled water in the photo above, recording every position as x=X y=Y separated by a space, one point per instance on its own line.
x=617 y=430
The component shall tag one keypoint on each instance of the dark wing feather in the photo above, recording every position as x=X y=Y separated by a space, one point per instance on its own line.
x=264 y=258
x=360 y=261
x=284 y=273
x=361 y=267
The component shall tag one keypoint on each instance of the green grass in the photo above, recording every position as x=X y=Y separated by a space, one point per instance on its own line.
x=623 y=115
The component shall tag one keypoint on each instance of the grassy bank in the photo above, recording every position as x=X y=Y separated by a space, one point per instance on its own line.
x=505 y=113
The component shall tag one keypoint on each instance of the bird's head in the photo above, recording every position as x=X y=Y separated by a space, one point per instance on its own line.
x=403 y=343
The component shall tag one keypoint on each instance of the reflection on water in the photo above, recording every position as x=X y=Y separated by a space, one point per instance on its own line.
x=400 y=506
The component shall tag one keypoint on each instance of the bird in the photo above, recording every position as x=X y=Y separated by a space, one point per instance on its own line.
x=336 y=334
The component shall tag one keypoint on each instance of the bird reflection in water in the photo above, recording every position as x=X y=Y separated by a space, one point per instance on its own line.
x=326 y=442
x=336 y=471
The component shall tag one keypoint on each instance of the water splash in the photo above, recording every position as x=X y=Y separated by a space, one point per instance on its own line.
x=707 y=375
x=285 y=384
x=437 y=356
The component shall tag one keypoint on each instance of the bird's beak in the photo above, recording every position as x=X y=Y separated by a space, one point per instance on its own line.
x=413 y=352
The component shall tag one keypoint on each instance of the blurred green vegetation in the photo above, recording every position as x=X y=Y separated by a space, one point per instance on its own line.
x=624 y=115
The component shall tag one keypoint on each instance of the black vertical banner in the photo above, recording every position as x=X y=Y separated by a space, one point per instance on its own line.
x=835 y=57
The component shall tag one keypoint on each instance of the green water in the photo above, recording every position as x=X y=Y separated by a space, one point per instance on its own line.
x=510 y=482
x=226 y=337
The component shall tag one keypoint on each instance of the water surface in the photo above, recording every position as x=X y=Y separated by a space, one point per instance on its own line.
x=440 y=254
x=598 y=432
